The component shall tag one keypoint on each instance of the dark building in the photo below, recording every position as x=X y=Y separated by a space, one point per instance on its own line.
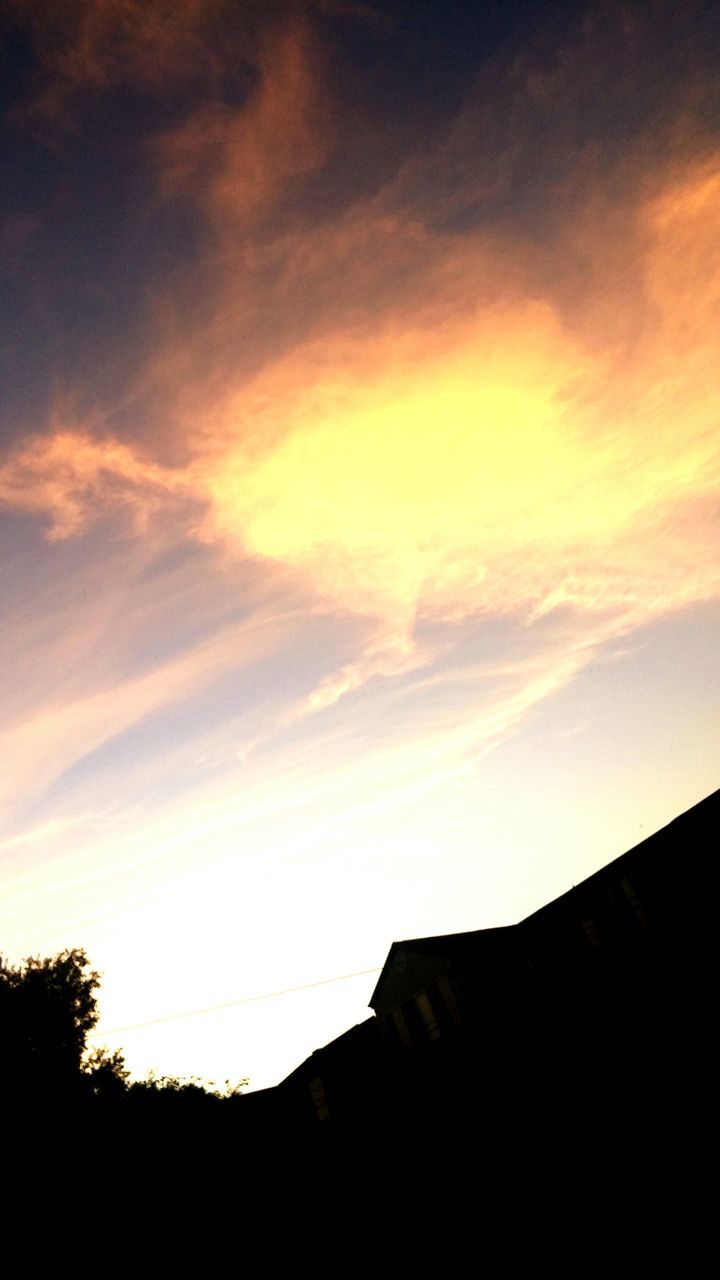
x=598 y=1000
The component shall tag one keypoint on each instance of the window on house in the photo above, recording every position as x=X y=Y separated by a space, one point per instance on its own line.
x=590 y=931
x=400 y=1024
x=319 y=1097
x=635 y=903
x=448 y=999
x=427 y=1013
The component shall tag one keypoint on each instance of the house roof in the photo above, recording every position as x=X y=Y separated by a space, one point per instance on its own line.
x=342 y=1045
x=441 y=945
x=659 y=848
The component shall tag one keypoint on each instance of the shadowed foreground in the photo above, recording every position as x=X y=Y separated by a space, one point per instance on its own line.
x=559 y=1066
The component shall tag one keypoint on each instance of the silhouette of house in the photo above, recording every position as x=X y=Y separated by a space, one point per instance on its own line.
x=600 y=994
x=622 y=923
x=334 y=1081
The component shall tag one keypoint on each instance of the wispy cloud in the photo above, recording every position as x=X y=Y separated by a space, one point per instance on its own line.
x=89 y=46
x=236 y=161
x=41 y=746
x=75 y=479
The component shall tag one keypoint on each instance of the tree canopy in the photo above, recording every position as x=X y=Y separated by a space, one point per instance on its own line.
x=48 y=1008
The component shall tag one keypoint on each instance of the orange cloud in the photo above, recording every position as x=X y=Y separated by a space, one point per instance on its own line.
x=236 y=161
x=74 y=479
x=90 y=45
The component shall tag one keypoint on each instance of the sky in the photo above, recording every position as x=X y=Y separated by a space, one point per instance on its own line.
x=359 y=486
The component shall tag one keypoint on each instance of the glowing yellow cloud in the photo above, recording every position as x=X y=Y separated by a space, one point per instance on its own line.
x=491 y=462
x=388 y=478
x=467 y=455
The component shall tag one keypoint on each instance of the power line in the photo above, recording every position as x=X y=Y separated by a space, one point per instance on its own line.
x=231 y=1004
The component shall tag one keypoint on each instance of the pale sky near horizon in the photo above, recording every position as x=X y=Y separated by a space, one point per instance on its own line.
x=359 y=486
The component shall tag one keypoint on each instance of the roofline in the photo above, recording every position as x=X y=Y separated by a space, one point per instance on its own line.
x=496 y=929
x=438 y=937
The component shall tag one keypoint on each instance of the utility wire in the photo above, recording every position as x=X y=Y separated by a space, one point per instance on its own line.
x=231 y=1004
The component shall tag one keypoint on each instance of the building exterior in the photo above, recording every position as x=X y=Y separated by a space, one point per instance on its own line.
x=600 y=994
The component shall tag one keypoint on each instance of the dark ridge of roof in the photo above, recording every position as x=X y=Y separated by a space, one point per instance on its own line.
x=697 y=813
x=440 y=941
x=491 y=934
x=351 y=1033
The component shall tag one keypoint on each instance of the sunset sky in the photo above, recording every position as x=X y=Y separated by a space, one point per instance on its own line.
x=359 y=485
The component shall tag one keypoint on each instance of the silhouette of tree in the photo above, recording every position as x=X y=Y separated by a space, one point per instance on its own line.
x=174 y=1091
x=106 y=1075
x=48 y=1007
